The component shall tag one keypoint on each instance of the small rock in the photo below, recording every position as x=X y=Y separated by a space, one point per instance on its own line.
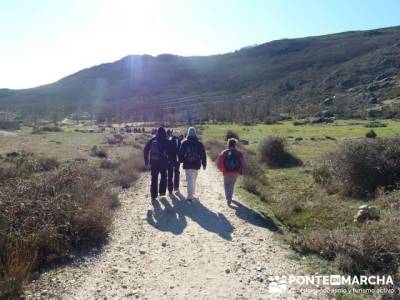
x=227 y=271
x=164 y=244
x=141 y=251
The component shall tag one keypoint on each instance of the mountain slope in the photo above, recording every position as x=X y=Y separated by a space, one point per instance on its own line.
x=286 y=74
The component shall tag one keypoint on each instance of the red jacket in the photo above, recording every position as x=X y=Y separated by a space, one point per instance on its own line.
x=221 y=166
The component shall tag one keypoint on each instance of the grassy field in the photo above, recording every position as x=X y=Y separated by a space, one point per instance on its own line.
x=308 y=210
x=63 y=145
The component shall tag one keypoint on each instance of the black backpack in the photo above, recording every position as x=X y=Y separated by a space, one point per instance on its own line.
x=232 y=160
x=191 y=154
x=155 y=153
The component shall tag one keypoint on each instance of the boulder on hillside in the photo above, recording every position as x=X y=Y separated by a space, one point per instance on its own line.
x=328 y=100
x=366 y=212
x=374 y=112
x=372 y=100
x=322 y=120
x=327 y=114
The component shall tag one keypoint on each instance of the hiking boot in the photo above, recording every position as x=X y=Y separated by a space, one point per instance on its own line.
x=229 y=202
x=189 y=200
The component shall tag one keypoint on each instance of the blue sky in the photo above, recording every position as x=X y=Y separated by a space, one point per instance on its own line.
x=45 y=40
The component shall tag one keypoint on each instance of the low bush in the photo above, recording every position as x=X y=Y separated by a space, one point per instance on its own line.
x=10 y=125
x=230 y=134
x=30 y=164
x=255 y=181
x=98 y=152
x=43 y=219
x=375 y=124
x=128 y=171
x=108 y=164
x=362 y=166
x=371 y=248
x=115 y=139
x=286 y=207
x=371 y=134
x=323 y=172
x=42 y=129
x=301 y=122
x=273 y=151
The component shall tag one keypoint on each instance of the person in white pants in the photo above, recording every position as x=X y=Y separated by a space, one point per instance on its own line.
x=193 y=155
x=191 y=177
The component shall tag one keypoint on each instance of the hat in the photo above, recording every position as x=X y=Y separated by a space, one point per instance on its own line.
x=161 y=134
x=191 y=131
x=176 y=133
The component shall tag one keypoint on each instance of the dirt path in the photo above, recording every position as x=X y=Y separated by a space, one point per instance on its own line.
x=173 y=249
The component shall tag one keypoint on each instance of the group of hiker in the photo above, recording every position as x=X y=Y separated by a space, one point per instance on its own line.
x=166 y=151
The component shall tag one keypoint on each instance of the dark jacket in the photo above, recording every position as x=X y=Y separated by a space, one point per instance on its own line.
x=174 y=144
x=201 y=153
x=161 y=138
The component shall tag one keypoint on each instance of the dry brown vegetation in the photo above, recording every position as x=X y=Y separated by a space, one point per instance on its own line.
x=360 y=167
x=45 y=218
x=50 y=211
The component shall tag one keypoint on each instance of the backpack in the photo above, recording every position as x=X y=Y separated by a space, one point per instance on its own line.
x=232 y=160
x=191 y=154
x=155 y=153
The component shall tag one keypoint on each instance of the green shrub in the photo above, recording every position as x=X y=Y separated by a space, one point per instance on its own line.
x=98 y=152
x=230 y=134
x=273 y=151
x=371 y=134
x=28 y=164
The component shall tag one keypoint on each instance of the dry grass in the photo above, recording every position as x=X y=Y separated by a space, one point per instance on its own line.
x=43 y=219
x=370 y=248
x=128 y=170
x=214 y=148
x=360 y=167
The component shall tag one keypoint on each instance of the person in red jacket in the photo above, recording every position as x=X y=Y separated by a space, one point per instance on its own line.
x=231 y=163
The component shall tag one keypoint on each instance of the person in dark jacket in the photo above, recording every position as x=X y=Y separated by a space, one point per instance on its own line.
x=193 y=156
x=174 y=144
x=155 y=153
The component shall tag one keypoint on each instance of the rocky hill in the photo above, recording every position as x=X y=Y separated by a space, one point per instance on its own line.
x=346 y=73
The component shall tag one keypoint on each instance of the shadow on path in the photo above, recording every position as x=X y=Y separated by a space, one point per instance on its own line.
x=207 y=219
x=167 y=219
x=253 y=217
